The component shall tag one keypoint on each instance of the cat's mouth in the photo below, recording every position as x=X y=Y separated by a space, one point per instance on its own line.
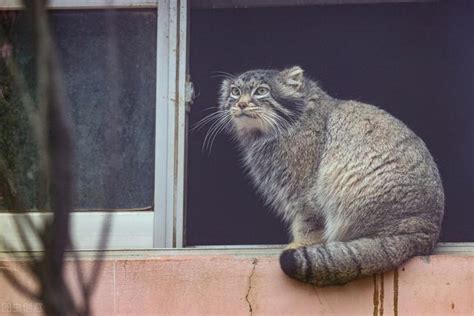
x=244 y=115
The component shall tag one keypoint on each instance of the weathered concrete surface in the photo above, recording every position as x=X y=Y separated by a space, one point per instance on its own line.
x=236 y=285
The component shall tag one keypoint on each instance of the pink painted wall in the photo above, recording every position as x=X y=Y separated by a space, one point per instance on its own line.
x=237 y=285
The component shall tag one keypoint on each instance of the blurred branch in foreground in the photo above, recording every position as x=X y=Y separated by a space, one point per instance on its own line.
x=48 y=115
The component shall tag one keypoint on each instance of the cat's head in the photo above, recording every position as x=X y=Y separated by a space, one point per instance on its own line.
x=261 y=102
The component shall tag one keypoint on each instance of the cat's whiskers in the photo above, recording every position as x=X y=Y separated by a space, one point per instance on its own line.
x=222 y=74
x=211 y=129
x=207 y=119
x=218 y=126
x=267 y=121
x=210 y=108
x=284 y=120
x=271 y=123
x=209 y=133
x=214 y=119
x=273 y=120
x=222 y=127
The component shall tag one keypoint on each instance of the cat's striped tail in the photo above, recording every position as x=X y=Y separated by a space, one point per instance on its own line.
x=335 y=263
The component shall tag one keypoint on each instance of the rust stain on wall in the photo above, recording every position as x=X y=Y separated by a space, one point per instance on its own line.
x=395 y=292
x=376 y=296
x=381 y=294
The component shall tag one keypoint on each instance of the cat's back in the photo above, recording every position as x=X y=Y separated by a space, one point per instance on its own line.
x=362 y=133
x=352 y=122
x=372 y=158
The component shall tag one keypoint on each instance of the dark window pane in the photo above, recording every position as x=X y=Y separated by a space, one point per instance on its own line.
x=108 y=59
x=414 y=60
x=109 y=65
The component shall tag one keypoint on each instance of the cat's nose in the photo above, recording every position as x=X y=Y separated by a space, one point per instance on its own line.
x=242 y=105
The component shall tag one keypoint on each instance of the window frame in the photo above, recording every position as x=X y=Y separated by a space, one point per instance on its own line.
x=170 y=107
x=164 y=226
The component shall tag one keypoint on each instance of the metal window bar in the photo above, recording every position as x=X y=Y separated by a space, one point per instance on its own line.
x=170 y=117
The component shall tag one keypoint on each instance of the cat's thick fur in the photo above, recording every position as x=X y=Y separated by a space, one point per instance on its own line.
x=359 y=190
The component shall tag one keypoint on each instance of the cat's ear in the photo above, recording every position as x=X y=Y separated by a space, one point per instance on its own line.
x=293 y=77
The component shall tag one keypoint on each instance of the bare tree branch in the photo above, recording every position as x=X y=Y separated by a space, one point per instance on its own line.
x=51 y=125
x=19 y=285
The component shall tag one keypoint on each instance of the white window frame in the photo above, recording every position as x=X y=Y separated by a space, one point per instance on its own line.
x=171 y=118
x=164 y=227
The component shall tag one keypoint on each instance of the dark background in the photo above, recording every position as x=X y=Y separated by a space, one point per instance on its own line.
x=414 y=60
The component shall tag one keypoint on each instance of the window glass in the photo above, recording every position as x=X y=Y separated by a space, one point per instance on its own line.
x=108 y=62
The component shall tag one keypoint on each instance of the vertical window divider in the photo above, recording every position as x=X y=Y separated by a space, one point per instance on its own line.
x=170 y=123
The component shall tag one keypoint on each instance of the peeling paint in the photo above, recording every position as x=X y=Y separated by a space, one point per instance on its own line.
x=254 y=263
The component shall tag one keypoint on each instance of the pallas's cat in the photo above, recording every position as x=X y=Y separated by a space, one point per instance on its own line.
x=358 y=189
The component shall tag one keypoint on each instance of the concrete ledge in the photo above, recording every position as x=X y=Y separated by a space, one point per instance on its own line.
x=218 y=284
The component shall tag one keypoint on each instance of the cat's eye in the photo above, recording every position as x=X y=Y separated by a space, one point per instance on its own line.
x=234 y=92
x=262 y=91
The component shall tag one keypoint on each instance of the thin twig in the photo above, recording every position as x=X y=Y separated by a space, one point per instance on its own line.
x=16 y=283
